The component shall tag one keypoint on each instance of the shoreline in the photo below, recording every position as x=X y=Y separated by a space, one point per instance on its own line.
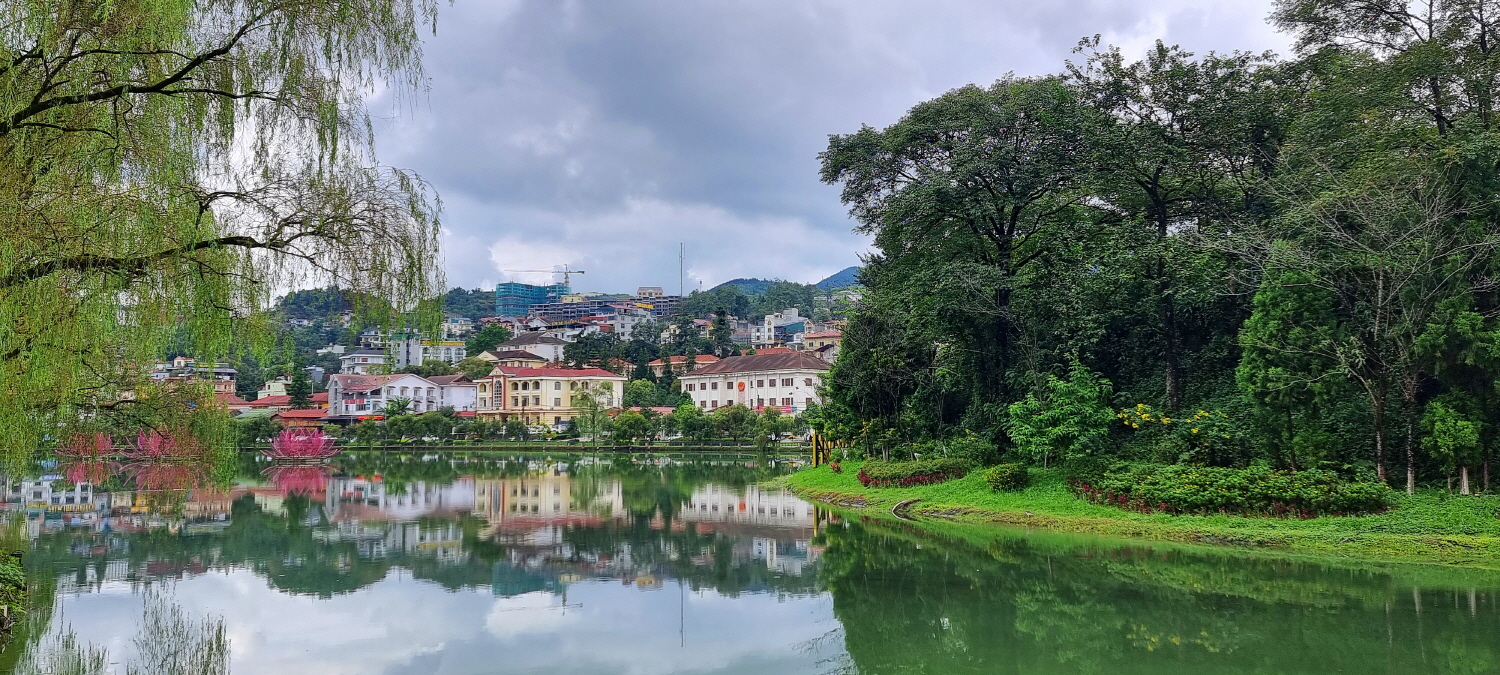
x=1408 y=533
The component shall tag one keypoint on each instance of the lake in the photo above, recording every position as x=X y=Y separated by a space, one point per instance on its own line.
x=495 y=564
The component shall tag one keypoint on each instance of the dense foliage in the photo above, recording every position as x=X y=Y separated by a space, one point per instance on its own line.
x=878 y=473
x=1254 y=491
x=1007 y=477
x=166 y=166
x=1297 y=253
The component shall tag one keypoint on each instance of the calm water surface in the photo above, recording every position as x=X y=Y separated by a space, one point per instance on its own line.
x=513 y=565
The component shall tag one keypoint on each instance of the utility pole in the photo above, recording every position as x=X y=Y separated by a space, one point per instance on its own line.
x=681 y=256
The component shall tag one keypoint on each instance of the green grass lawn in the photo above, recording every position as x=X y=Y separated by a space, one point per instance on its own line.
x=1431 y=526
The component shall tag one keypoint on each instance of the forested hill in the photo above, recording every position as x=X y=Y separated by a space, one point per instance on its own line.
x=746 y=286
x=849 y=276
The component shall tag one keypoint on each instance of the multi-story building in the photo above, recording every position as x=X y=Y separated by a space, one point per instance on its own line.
x=657 y=306
x=540 y=343
x=363 y=362
x=782 y=328
x=789 y=380
x=362 y=395
x=187 y=369
x=516 y=299
x=457 y=392
x=416 y=351
x=455 y=326
x=545 y=396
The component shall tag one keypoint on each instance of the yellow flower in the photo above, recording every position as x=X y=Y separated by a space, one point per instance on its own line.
x=1195 y=431
x=1166 y=420
x=1133 y=425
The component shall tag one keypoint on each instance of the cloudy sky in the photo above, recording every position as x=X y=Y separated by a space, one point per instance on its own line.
x=602 y=133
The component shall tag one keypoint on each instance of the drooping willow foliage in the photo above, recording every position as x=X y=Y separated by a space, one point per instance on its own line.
x=166 y=166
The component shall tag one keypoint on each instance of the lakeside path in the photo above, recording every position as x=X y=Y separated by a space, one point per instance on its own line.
x=1428 y=527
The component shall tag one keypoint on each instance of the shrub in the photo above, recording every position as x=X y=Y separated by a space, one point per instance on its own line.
x=1254 y=491
x=835 y=467
x=1007 y=477
x=876 y=473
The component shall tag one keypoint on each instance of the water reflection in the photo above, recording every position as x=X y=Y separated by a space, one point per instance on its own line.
x=481 y=565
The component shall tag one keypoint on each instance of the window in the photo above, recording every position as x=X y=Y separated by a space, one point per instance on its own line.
x=703 y=404
x=713 y=385
x=690 y=387
x=807 y=381
x=557 y=403
x=786 y=381
x=515 y=386
x=716 y=404
x=525 y=386
x=556 y=386
x=515 y=401
x=760 y=403
x=809 y=400
x=572 y=386
x=760 y=383
x=787 y=401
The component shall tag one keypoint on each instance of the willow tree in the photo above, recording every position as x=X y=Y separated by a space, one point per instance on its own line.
x=167 y=165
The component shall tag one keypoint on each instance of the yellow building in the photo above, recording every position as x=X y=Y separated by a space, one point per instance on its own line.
x=545 y=396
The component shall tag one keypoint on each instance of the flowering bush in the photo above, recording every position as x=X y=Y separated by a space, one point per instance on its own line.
x=87 y=447
x=876 y=473
x=835 y=467
x=1007 y=477
x=1204 y=437
x=1254 y=491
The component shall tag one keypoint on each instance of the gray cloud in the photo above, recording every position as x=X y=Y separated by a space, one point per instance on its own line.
x=601 y=134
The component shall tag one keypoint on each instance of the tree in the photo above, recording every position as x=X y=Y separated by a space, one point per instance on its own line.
x=592 y=418
x=430 y=368
x=1453 y=436
x=300 y=389
x=397 y=406
x=631 y=425
x=1071 y=418
x=734 y=421
x=486 y=339
x=474 y=367
x=690 y=421
x=640 y=393
x=170 y=163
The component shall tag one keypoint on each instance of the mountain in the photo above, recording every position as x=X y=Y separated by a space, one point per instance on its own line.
x=748 y=286
x=849 y=276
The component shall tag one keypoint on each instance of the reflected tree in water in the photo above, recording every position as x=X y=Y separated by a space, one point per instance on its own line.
x=168 y=642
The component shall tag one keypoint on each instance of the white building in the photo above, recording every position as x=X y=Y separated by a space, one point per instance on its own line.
x=781 y=328
x=789 y=380
x=363 y=362
x=545 y=396
x=415 y=352
x=358 y=395
x=542 y=344
x=457 y=392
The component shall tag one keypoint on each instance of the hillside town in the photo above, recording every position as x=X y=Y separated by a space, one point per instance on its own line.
x=563 y=354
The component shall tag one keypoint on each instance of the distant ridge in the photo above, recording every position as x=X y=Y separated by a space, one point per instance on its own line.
x=748 y=286
x=849 y=276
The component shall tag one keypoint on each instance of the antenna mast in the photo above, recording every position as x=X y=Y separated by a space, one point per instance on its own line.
x=681 y=255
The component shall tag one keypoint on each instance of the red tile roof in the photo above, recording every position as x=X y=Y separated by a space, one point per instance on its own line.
x=231 y=399
x=361 y=382
x=774 y=350
x=789 y=360
x=824 y=334
x=273 y=401
x=517 y=371
x=309 y=413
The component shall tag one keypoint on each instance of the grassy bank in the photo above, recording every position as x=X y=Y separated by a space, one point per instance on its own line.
x=1430 y=527
x=12 y=594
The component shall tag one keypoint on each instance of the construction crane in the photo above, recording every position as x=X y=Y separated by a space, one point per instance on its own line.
x=567 y=274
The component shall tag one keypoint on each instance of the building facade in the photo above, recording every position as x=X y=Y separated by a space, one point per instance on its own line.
x=516 y=299
x=540 y=343
x=363 y=362
x=790 y=380
x=362 y=395
x=545 y=396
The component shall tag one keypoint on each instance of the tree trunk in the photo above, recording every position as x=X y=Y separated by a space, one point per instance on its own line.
x=1377 y=410
x=1486 y=475
x=1169 y=344
x=1409 y=396
x=1463 y=480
